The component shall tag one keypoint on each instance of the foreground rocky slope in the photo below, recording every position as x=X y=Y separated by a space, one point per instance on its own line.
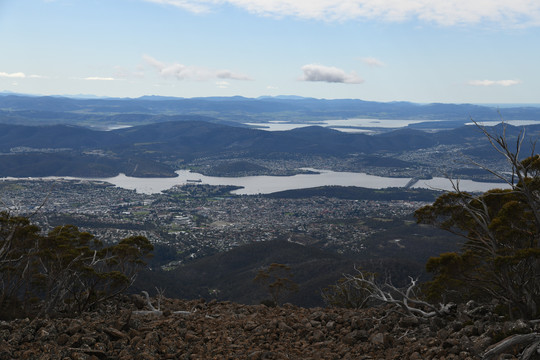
x=223 y=330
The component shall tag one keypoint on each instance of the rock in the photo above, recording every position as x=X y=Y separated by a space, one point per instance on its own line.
x=382 y=339
x=352 y=337
x=516 y=327
x=443 y=334
x=470 y=330
x=409 y=321
x=436 y=323
x=5 y=325
x=284 y=327
x=74 y=328
x=318 y=336
x=221 y=330
x=481 y=343
x=62 y=339
x=456 y=325
x=114 y=334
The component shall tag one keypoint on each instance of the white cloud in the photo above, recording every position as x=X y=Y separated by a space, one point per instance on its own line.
x=195 y=6
x=445 y=12
x=21 y=75
x=184 y=72
x=371 y=61
x=17 y=75
x=226 y=74
x=98 y=78
x=222 y=84
x=314 y=72
x=494 y=82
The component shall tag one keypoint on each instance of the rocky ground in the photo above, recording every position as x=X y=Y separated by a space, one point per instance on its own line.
x=223 y=330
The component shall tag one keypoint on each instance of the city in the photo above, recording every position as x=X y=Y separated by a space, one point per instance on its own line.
x=199 y=220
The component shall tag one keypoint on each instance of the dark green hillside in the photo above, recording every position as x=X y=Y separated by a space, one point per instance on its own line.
x=164 y=145
x=232 y=273
x=79 y=165
x=236 y=168
x=405 y=139
x=359 y=193
x=229 y=275
x=186 y=140
x=404 y=239
x=53 y=137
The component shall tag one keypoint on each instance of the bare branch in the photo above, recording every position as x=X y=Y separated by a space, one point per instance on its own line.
x=404 y=299
x=509 y=342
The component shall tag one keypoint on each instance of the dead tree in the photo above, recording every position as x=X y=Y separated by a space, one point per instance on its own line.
x=531 y=343
x=405 y=299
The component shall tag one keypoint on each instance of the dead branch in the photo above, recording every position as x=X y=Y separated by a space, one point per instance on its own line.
x=405 y=299
x=532 y=340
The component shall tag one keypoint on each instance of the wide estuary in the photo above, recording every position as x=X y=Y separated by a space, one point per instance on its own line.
x=253 y=185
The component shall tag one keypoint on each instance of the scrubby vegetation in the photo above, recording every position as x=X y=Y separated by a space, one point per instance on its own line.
x=500 y=258
x=65 y=271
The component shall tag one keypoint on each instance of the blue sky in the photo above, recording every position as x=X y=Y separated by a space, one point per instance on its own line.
x=452 y=51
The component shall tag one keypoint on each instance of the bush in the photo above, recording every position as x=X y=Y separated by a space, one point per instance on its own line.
x=64 y=271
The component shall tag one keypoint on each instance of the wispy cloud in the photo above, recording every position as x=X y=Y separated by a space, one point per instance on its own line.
x=226 y=74
x=494 y=82
x=20 y=75
x=445 y=12
x=373 y=62
x=195 y=6
x=124 y=73
x=184 y=72
x=330 y=74
x=222 y=84
x=99 y=78
x=17 y=75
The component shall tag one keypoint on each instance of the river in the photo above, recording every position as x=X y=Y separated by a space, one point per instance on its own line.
x=268 y=184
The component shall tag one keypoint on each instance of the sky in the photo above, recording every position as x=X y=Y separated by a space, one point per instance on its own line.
x=449 y=51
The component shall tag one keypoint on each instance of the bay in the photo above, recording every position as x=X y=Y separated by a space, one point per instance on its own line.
x=354 y=125
x=253 y=185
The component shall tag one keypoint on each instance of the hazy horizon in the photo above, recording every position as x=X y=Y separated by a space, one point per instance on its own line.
x=92 y=96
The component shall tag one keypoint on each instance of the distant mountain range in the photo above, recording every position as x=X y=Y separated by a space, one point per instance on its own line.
x=24 y=109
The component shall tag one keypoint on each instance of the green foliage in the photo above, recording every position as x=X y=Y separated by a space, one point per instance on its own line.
x=277 y=278
x=17 y=240
x=500 y=257
x=66 y=270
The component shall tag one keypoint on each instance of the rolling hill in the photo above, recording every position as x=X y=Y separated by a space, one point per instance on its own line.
x=154 y=149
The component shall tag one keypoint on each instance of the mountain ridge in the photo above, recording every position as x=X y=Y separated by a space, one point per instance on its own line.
x=231 y=108
x=156 y=148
